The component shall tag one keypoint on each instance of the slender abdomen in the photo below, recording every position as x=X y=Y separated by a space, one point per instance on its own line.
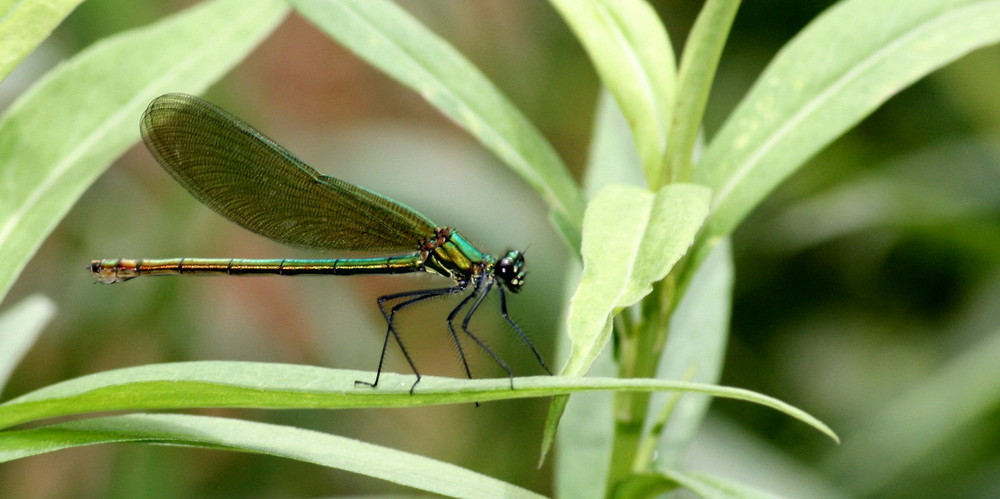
x=110 y=271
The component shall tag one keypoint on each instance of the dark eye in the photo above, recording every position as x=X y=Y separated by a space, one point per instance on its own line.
x=510 y=270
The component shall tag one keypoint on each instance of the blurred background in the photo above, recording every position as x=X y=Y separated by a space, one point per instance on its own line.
x=866 y=291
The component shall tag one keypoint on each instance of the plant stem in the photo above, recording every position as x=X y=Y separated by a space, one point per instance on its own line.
x=639 y=358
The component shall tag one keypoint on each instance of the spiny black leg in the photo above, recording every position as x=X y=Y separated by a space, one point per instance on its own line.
x=381 y=360
x=518 y=331
x=480 y=293
x=418 y=296
x=454 y=335
x=385 y=343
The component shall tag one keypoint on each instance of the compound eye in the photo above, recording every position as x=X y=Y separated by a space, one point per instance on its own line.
x=510 y=270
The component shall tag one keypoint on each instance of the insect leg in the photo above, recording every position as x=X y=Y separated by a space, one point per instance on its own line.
x=519 y=331
x=481 y=290
x=409 y=298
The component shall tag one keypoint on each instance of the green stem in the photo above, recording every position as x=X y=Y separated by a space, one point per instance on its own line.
x=639 y=358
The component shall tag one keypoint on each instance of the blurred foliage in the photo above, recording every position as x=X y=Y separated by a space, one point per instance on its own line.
x=863 y=283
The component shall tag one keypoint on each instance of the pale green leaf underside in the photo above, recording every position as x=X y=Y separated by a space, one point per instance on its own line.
x=705 y=485
x=699 y=331
x=631 y=239
x=969 y=382
x=20 y=325
x=629 y=47
x=393 y=41
x=24 y=25
x=294 y=443
x=283 y=386
x=841 y=67
x=60 y=135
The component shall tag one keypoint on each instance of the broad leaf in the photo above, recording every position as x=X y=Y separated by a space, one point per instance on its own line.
x=632 y=238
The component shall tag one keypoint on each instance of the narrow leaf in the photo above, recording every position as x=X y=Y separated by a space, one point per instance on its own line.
x=20 y=325
x=698 y=64
x=809 y=95
x=293 y=443
x=390 y=39
x=283 y=386
x=24 y=25
x=630 y=49
x=59 y=136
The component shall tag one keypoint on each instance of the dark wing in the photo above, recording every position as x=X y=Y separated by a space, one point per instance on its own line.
x=248 y=178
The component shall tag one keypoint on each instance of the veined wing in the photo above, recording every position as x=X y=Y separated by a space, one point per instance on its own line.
x=248 y=178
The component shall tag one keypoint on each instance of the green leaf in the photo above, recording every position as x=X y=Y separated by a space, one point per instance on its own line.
x=711 y=486
x=630 y=49
x=612 y=157
x=393 y=41
x=304 y=445
x=702 y=51
x=631 y=239
x=699 y=331
x=283 y=386
x=20 y=325
x=24 y=25
x=644 y=485
x=585 y=432
x=958 y=399
x=59 y=136
x=811 y=94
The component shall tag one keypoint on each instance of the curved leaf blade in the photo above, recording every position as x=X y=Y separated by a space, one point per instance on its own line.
x=393 y=41
x=46 y=161
x=630 y=49
x=24 y=25
x=810 y=94
x=20 y=325
x=284 y=386
x=293 y=443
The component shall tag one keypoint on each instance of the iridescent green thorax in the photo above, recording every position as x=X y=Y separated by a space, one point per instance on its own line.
x=450 y=254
